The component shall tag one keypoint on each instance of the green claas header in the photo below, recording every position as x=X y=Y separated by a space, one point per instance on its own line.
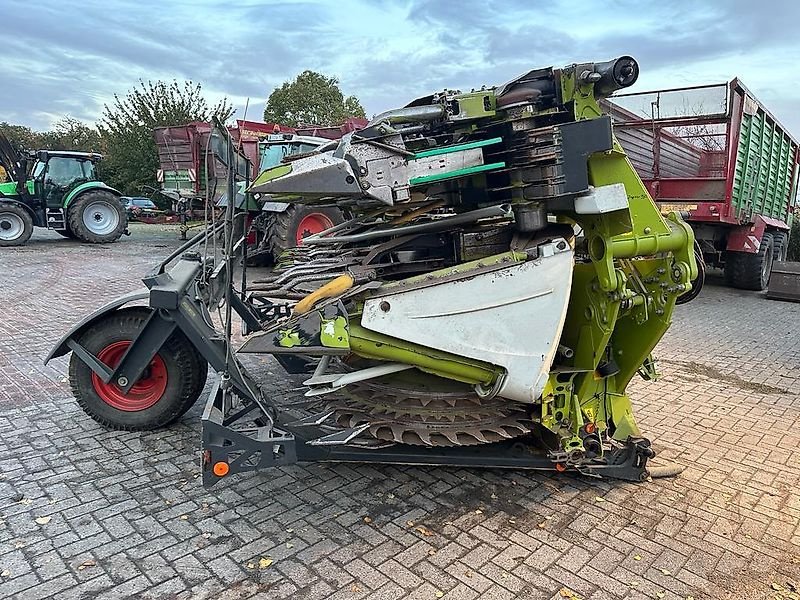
x=502 y=278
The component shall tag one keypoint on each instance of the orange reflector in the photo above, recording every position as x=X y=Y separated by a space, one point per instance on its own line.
x=561 y=467
x=221 y=469
x=590 y=428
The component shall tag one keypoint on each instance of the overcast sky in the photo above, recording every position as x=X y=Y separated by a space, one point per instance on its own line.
x=59 y=58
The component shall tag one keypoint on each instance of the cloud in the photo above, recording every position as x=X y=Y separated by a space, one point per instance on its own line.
x=73 y=59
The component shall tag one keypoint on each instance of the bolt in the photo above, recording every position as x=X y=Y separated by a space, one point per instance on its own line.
x=385 y=306
x=122 y=381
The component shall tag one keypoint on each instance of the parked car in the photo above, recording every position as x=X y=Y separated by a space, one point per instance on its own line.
x=136 y=207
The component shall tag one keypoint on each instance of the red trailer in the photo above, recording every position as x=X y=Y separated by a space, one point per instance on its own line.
x=715 y=153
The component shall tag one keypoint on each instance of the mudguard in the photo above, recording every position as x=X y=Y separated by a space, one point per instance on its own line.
x=85 y=187
x=61 y=348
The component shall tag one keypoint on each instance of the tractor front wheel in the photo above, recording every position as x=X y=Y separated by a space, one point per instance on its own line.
x=288 y=228
x=97 y=217
x=16 y=225
x=168 y=387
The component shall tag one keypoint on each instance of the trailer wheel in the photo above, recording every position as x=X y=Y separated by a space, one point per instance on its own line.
x=16 y=225
x=750 y=271
x=697 y=283
x=168 y=388
x=780 y=245
x=288 y=228
x=97 y=217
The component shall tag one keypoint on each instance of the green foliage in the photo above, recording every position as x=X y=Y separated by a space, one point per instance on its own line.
x=793 y=253
x=311 y=99
x=68 y=133
x=127 y=128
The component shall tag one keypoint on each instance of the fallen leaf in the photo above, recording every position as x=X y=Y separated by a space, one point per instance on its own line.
x=689 y=597
x=410 y=523
x=479 y=512
x=367 y=520
x=777 y=587
x=184 y=517
x=633 y=583
x=439 y=594
x=599 y=499
x=568 y=593
x=666 y=572
x=659 y=594
x=86 y=563
x=504 y=576
x=512 y=521
x=290 y=531
x=5 y=573
x=468 y=573
x=289 y=545
x=207 y=535
x=424 y=530
x=390 y=496
x=43 y=520
x=637 y=557
x=264 y=563
x=25 y=501
x=541 y=525
x=19 y=544
x=431 y=552
x=251 y=565
x=355 y=588
x=547 y=518
x=494 y=496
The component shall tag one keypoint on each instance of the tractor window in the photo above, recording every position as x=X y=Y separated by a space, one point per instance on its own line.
x=88 y=170
x=38 y=169
x=63 y=171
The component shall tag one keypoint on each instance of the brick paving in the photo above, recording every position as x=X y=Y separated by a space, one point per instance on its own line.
x=88 y=513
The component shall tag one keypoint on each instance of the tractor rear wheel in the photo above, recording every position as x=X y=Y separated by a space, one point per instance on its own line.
x=750 y=271
x=67 y=233
x=97 y=217
x=168 y=388
x=16 y=225
x=288 y=228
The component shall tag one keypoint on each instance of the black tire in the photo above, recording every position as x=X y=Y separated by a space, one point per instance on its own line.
x=780 y=245
x=16 y=224
x=697 y=283
x=750 y=271
x=106 y=210
x=184 y=370
x=67 y=233
x=282 y=227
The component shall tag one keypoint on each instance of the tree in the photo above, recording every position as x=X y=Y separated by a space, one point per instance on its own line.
x=311 y=99
x=127 y=128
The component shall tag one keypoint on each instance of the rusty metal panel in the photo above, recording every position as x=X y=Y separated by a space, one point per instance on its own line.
x=784 y=283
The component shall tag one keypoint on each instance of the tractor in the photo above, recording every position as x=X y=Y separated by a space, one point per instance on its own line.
x=58 y=190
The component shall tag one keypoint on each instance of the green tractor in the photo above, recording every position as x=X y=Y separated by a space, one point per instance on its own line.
x=58 y=190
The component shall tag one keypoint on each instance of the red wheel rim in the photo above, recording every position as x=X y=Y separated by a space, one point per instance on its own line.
x=310 y=224
x=144 y=393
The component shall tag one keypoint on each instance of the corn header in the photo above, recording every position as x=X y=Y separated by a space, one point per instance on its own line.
x=502 y=278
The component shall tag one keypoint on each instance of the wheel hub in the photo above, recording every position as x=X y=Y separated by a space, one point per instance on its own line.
x=312 y=223
x=11 y=227
x=148 y=390
x=100 y=218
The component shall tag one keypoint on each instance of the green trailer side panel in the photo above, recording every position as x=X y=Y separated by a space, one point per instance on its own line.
x=764 y=167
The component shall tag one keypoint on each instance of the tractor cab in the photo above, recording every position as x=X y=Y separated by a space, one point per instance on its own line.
x=56 y=173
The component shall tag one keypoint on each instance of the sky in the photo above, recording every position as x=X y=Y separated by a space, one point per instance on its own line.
x=61 y=58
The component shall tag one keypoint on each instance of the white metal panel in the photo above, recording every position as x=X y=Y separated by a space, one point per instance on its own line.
x=512 y=317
